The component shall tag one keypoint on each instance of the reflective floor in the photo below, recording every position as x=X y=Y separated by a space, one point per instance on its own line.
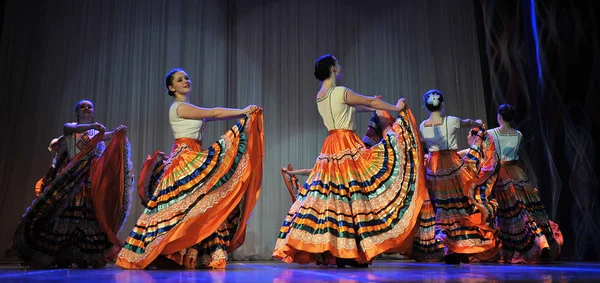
x=380 y=271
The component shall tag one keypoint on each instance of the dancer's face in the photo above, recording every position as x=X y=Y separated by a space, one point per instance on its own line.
x=181 y=83
x=85 y=110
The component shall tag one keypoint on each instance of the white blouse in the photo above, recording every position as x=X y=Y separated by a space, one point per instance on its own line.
x=507 y=144
x=441 y=136
x=335 y=112
x=182 y=127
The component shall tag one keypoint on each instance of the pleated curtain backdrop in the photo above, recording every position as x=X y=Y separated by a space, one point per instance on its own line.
x=116 y=53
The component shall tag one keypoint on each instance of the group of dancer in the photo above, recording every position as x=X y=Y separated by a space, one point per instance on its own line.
x=402 y=188
x=408 y=190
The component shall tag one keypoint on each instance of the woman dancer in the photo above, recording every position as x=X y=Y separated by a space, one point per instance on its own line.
x=463 y=215
x=197 y=200
x=357 y=203
x=527 y=235
x=82 y=201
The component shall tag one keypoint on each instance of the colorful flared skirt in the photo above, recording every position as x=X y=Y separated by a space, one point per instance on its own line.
x=81 y=205
x=527 y=235
x=199 y=199
x=357 y=203
x=464 y=214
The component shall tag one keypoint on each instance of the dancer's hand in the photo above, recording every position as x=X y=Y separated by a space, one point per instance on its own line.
x=98 y=127
x=401 y=104
x=287 y=172
x=120 y=128
x=250 y=108
x=287 y=175
x=479 y=122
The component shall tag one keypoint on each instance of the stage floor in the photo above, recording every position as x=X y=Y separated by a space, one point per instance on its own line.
x=380 y=271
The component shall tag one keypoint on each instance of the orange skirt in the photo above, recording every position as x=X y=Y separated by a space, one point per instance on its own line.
x=525 y=230
x=357 y=203
x=198 y=199
x=464 y=219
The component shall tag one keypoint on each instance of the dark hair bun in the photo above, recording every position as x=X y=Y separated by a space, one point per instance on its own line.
x=507 y=112
x=323 y=65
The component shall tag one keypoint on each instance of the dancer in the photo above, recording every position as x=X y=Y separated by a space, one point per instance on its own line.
x=527 y=235
x=197 y=200
x=464 y=218
x=357 y=203
x=82 y=201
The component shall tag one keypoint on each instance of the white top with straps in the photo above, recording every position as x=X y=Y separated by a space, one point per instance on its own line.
x=336 y=114
x=182 y=127
x=441 y=136
x=507 y=144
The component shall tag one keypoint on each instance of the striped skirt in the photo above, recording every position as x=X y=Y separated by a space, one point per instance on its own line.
x=527 y=235
x=81 y=205
x=464 y=214
x=357 y=203
x=199 y=199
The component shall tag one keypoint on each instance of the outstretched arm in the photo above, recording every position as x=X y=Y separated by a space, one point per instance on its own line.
x=303 y=172
x=468 y=123
x=374 y=103
x=190 y=111
x=70 y=128
x=361 y=108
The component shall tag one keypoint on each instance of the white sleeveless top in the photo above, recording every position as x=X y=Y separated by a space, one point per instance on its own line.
x=507 y=145
x=441 y=136
x=336 y=114
x=182 y=127
x=77 y=141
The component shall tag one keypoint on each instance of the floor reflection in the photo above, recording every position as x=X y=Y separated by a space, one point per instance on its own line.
x=380 y=271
